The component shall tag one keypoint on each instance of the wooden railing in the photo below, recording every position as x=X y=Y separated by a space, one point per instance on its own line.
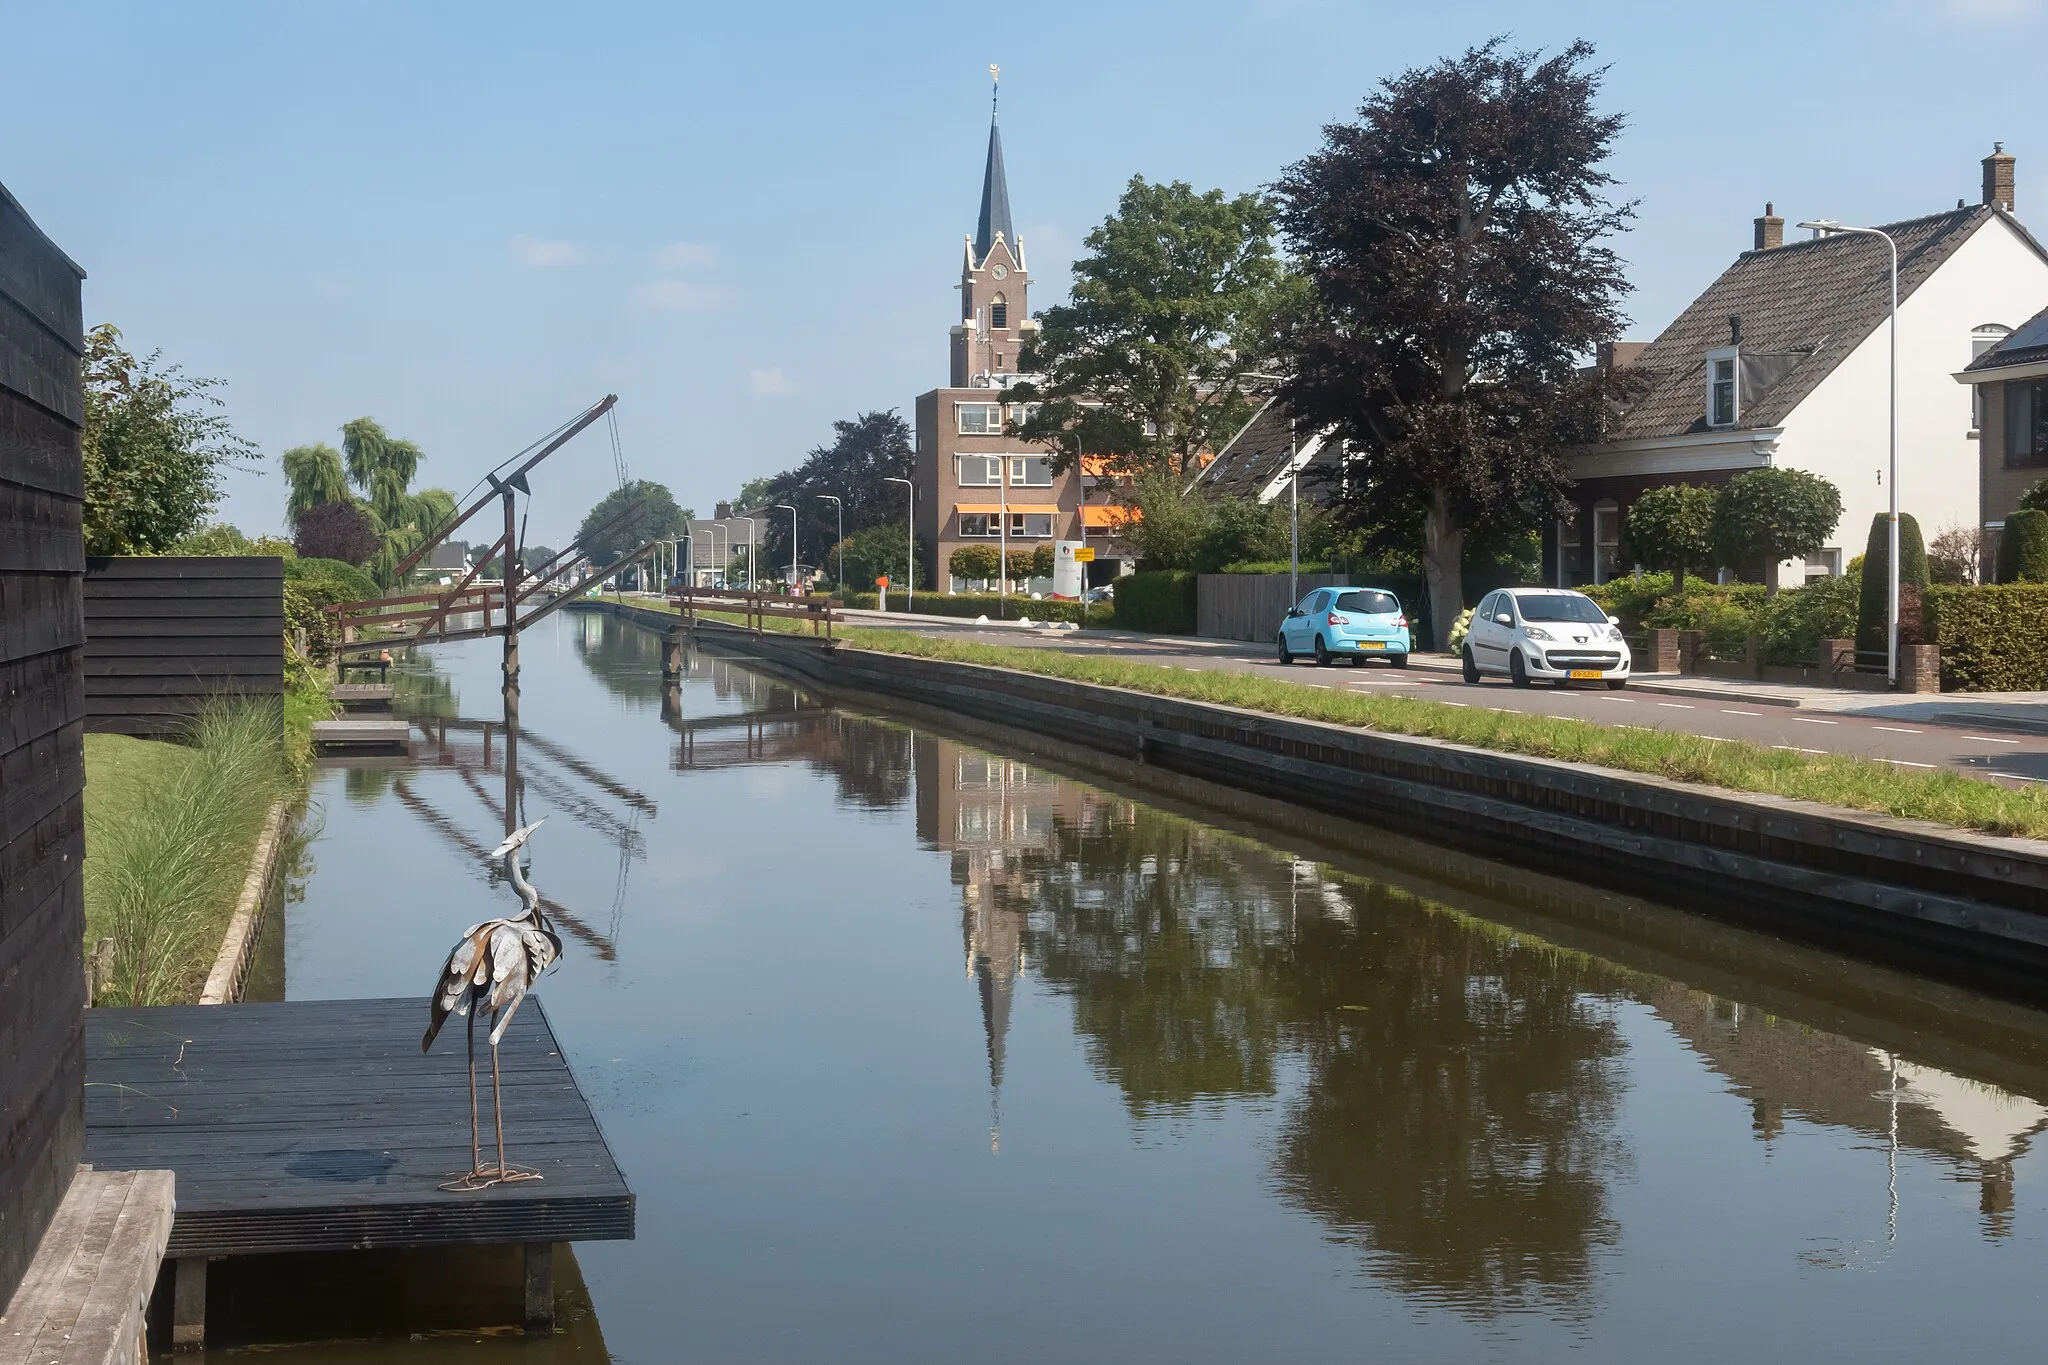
x=756 y=607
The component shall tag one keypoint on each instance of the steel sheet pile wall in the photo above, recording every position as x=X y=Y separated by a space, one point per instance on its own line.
x=42 y=756
x=163 y=632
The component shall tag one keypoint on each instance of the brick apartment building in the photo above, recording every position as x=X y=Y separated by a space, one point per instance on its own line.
x=976 y=485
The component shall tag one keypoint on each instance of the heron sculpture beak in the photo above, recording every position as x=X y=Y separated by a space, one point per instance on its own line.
x=516 y=838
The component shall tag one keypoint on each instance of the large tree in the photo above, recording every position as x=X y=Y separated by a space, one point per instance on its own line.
x=655 y=518
x=372 y=471
x=1455 y=238
x=855 y=466
x=155 y=446
x=1175 y=310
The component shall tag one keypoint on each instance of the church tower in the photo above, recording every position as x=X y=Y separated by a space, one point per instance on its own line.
x=995 y=317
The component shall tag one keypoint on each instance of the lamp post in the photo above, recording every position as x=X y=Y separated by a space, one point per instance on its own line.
x=785 y=507
x=1891 y=615
x=839 y=512
x=909 y=583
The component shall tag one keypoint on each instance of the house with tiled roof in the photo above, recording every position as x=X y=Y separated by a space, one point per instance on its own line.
x=1785 y=361
x=2008 y=380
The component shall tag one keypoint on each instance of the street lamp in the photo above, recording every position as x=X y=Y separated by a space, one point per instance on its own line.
x=839 y=512
x=909 y=583
x=1891 y=636
x=785 y=507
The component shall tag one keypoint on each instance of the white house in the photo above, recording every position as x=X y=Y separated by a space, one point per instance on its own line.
x=1785 y=361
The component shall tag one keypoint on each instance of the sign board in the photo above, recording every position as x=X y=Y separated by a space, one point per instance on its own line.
x=1085 y=555
x=882 y=582
x=1068 y=577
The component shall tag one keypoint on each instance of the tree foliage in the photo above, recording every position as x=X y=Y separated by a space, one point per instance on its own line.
x=1455 y=238
x=313 y=478
x=1672 y=528
x=876 y=551
x=1175 y=309
x=977 y=563
x=2023 y=547
x=1874 y=583
x=855 y=467
x=655 y=518
x=155 y=445
x=373 y=471
x=337 y=530
x=1768 y=515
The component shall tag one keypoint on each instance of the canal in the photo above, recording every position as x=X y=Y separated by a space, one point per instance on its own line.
x=915 y=1049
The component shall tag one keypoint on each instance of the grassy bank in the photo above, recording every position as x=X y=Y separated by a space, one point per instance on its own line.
x=169 y=831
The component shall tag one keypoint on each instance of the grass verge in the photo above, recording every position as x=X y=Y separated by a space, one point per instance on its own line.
x=169 y=830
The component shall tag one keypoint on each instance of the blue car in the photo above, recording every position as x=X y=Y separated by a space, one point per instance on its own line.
x=1352 y=623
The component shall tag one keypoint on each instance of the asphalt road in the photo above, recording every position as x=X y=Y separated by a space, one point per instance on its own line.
x=1910 y=742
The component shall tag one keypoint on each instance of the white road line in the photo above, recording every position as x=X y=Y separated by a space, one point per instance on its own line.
x=1905 y=763
x=1455 y=703
x=1896 y=729
x=1635 y=727
x=1504 y=710
x=2016 y=777
x=1990 y=739
x=1679 y=705
x=1810 y=720
x=1731 y=711
x=1616 y=699
x=1794 y=748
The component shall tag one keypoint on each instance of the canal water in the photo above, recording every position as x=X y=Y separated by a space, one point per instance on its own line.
x=918 y=1048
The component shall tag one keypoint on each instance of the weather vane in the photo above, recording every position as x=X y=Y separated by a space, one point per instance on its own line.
x=995 y=85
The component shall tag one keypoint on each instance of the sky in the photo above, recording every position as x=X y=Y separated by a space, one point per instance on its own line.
x=471 y=221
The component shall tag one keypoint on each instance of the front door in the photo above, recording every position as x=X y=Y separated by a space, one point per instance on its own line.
x=1488 y=637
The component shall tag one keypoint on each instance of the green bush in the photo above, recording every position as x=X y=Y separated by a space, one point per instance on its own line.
x=1992 y=638
x=975 y=562
x=1872 y=601
x=1728 y=615
x=2023 y=548
x=992 y=605
x=1635 y=597
x=1793 y=623
x=1162 y=602
x=357 y=581
x=2036 y=498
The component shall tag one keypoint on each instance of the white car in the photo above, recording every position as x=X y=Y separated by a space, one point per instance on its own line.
x=1550 y=633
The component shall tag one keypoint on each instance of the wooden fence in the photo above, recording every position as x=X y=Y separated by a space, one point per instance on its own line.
x=164 y=632
x=42 y=755
x=1248 y=606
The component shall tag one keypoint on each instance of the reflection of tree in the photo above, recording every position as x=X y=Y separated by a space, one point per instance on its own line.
x=869 y=760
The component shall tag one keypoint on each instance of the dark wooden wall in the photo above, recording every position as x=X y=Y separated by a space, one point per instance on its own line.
x=163 y=632
x=42 y=756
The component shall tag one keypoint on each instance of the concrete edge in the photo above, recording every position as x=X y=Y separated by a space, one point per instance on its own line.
x=224 y=982
x=1988 y=720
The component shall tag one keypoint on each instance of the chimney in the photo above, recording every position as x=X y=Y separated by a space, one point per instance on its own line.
x=1619 y=355
x=1770 y=229
x=1998 y=178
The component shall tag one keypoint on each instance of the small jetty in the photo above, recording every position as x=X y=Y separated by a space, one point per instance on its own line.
x=318 y=1125
x=363 y=696
x=85 y=1298
x=360 y=735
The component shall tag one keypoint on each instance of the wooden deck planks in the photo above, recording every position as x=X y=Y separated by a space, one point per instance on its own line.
x=318 y=1125
x=84 y=1297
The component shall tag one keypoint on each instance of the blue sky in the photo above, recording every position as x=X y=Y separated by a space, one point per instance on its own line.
x=470 y=221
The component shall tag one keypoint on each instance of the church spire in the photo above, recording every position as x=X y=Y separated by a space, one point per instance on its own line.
x=995 y=188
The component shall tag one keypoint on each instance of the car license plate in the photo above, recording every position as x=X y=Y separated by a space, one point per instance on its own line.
x=1372 y=644
x=1587 y=673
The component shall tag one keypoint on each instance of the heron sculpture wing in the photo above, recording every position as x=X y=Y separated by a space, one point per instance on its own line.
x=460 y=975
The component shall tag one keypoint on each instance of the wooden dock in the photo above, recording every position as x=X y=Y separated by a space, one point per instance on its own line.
x=86 y=1294
x=361 y=735
x=363 y=696
x=319 y=1126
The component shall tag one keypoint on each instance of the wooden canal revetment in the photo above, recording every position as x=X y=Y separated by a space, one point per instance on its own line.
x=318 y=1125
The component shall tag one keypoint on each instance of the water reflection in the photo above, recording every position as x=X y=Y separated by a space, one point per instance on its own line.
x=1422 y=1101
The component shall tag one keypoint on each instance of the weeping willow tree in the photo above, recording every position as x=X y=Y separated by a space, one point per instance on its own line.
x=374 y=471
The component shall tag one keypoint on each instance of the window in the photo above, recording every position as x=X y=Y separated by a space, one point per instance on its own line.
x=1827 y=563
x=974 y=524
x=1722 y=406
x=2026 y=422
x=1030 y=471
x=1487 y=608
x=1368 y=602
x=980 y=471
x=1606 y=541
x=999 y=313
x=1031 y=525
x=1020 y=413
x=1568 y=607
x=1567 y=547
x=980 y=419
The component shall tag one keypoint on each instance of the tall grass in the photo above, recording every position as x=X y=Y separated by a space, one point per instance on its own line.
x=168 y=860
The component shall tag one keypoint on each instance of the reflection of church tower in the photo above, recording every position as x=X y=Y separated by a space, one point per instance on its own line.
x=995 y=953
x=995 y=317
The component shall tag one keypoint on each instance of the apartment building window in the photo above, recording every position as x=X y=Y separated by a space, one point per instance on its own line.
x=1020 y=413
x=1030 y=471
x=2026 y=421
x=1723 y=405
x=999 y=313
x=1031 y=525
x=980 y=471
x=980 y=419
x=977 y=524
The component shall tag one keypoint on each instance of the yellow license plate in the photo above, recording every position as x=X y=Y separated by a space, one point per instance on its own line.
x=1372 y=644
x=1587 y=673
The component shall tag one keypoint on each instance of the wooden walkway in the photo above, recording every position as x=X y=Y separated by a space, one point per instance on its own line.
x=318 y=1125
x=84 y=1298
x=384 y=736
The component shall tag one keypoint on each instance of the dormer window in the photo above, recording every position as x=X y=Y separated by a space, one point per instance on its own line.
x=999 y=313
x=1723 y=392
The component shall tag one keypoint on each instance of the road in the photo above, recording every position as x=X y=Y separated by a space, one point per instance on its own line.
x=1878 y=726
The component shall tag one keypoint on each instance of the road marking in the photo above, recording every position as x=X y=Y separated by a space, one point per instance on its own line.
x=1896 y=729
x=1635 y=727
x=1731 y=711
x=1679 y=705
x=1456 y=703
x=1616 y=699
x=1504 y=710
x=1810 y=720
x=1991 y=739
x=1905 y=763
x=2016 y=777
x=1794 y=748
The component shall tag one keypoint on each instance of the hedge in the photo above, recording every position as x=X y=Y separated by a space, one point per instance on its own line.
x=1162 y=601
x=2023 y=547
x=1873 y=602
x=1993 y=638
x=992 y=605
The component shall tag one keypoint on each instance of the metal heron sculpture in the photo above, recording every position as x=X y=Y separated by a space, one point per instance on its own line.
x=493 y=967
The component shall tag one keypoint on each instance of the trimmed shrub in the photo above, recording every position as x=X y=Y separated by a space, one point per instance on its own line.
x=2023 y=548
x=992 y=605
x=1793 y=623
x=979 y=562
x=1162 y=601
x=358 y=581
x=2035 y=499
x=1992 y=638
x=1876 y=582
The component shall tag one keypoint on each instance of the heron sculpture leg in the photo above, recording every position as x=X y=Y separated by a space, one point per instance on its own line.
x=476 y=1177
x=504 y=1172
